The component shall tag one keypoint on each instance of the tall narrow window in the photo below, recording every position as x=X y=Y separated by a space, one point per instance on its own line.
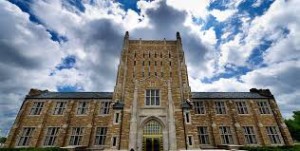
x=199 y=107
x=155 y=63
x=161 y=63
x=187 y=117
x=190 y=140
x=220 y=107
x=149 y=63
x=143 y=74
x=155 y=55
x=134 y=62
x=100 y=135
x=203 y=135
x=51 y=136
x=26 y=136
x=249 y=135
x=169 y=54
x=241 y=107
x=104 y=107
x=59 y=108
x=144 y=55
x=82 y=107
x=226 y=135
x=152 y=97
x=170 y=63
x=143 y=63
x=36 y=108
x=161 y=55
x=114 y=141
x=264 y=107
x=273 y=134
x=149 y=54
x=117 y=118
x=134 y=54
x=76 y=136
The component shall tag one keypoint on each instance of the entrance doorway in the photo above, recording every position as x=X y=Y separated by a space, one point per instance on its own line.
x=152 y=136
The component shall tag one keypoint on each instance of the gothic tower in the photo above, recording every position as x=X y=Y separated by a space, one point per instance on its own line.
x=152 y=83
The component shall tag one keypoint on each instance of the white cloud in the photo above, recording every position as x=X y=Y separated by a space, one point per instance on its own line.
x=223 y=15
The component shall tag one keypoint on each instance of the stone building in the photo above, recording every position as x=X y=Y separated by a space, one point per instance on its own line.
x=152 y=108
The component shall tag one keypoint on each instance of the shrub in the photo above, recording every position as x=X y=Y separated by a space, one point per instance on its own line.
x=33 y=149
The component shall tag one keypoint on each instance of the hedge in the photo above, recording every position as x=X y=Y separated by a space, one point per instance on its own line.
x=33 y=149
x=277 y=148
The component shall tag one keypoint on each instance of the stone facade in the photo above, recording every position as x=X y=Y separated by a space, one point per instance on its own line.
x=151 y=87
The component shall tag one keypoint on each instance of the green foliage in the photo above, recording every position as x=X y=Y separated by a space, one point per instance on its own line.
x=32 y=149
x=269 y=148
x=294 y=125
x=2 y=139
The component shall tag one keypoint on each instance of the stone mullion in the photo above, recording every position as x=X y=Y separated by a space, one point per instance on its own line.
x=44 y=117
x=66 y=126
x=259 y=126
x=92 y=131
x=280 y=122
x=213 y=127
x=236 y=123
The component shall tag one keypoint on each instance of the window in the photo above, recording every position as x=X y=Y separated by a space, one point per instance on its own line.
x=170 y=63
x=152 y=97
x=59 y=108
x=104 y=107
x=100 y=135
x=82 y=107
x=155 y=73
x=76 y=136
x=134 y=62
x=273 y=134
x=187 y=117
x=226 y=135
x=134 y=54
x=155 y=63
x=199 y=107
x=241 y=107
x=149 y=54
x=161 y=63
x=249 y=135
x=161 y=55
x=155 y=55
x=26 y=136
x=143 y=63
x=144 y=55
x=117 y=118
x=203 y=135
x=264 y=107
x=220 y=107
x=149 y=63
x=114 y=141
x=190 y=140
x=169 y=54
x=51 y=136
x=143 y=74
x=170 y=74
x=36 y=108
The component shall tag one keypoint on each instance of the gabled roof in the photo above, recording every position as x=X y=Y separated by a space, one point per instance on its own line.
x=72 y=95
x=228 y=95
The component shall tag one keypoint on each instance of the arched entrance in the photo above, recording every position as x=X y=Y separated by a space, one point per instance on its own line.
x=152 y=136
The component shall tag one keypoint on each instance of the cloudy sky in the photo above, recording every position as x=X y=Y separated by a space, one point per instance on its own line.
x=73 y=45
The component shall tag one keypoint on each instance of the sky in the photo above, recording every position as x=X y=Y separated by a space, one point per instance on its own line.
x=75 y=45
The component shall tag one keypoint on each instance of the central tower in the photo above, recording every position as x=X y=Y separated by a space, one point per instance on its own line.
x=152 y=83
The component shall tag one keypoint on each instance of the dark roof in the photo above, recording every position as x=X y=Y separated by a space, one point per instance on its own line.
x=72 y=95
x=108 y=95
x=228 y=95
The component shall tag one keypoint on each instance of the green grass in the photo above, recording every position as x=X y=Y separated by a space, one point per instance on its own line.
x=278 y=148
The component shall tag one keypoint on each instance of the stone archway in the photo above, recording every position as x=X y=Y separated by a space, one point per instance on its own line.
x=152 y=136
x=152 y=132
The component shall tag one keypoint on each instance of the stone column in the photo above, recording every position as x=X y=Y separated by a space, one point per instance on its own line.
x=133 y=121
x=172 y=129
x=280 y=122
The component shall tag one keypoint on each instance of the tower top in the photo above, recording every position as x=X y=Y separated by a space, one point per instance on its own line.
x=126 y=35
x=178 y=35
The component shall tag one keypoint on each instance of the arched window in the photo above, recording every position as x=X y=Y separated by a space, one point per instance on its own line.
x=152 y=128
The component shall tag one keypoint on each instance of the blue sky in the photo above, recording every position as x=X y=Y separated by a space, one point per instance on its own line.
x=74 y=45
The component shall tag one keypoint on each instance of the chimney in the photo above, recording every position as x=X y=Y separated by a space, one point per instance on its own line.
x=35 y=92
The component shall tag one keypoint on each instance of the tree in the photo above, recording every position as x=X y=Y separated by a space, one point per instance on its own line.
x=2 y=140
x=294 y=125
